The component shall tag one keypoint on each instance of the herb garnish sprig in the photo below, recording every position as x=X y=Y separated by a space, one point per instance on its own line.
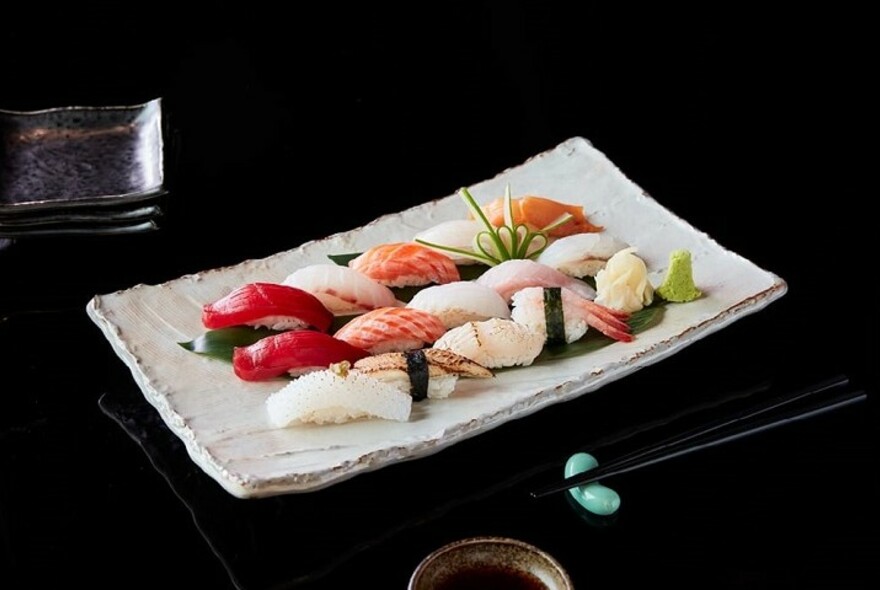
x=510 y=241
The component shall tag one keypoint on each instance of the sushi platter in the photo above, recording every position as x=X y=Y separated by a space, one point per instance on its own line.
x=223 y=421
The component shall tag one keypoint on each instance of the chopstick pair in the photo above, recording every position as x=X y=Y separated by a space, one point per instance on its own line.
x=772 y=413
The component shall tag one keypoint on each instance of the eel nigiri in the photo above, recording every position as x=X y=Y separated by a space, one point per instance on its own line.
x=425 y=372
x=295 y=353
x=342 y=290
x=403 y=264
x=392 y=329
x=272 y=305
x=512 y=275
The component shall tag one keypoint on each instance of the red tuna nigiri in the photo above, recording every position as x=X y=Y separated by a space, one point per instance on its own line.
x=294 y=352
x=402 y=264
x=392 y=329
x=276 y=306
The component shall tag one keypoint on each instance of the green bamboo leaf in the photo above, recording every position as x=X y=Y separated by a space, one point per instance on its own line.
x=343 y=259
x=219 y=344
x=593 y=340
x=470 y=272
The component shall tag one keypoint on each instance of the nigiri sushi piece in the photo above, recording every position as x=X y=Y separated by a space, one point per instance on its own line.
x=460 y=302
x=539 y=212
x=392 y=329
x=581 y=255
x=455 y=233
x=342 y=290
x=272 y=305
x=423 y=373
x=294 y=353
x=573 y=312
x=494 y=343
x=512 y=275
x=336 y=395
x=404 y=264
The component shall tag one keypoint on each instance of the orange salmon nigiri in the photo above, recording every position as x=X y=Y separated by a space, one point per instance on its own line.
x=402 y=264
x=539 y=212
x=392 y=329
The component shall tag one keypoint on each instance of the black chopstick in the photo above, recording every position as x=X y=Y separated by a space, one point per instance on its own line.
x=771 y=414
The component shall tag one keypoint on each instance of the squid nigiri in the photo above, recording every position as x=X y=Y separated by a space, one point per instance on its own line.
x=392 y=329
x=272 y=305
x=512 y=275
x=344 y=291
x=336 y=395
x=403 y=264
x=295 y=352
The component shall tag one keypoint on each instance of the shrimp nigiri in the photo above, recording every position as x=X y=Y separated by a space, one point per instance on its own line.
x=342 y=290
x=577 y=314
x=403 y=264
x=276 y=306
x=392 y=329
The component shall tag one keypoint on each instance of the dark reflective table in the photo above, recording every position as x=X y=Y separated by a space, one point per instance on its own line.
x=279 y=138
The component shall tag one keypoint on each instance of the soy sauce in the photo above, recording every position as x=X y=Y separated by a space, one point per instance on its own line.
x=491 y=577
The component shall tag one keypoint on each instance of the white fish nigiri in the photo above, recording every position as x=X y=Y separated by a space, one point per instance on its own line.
x=581 y=255
x=342 y=290
x=460 y=302
x=512 y=275
x=456 y=233
x=494 y=343
x=334 y=396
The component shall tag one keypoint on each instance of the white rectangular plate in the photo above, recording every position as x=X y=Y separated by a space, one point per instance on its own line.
x=222 y=420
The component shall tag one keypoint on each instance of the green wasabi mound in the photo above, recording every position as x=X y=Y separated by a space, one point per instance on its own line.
x=678 y=286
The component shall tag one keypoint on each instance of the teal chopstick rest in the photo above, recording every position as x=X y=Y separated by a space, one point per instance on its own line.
x=594 y=497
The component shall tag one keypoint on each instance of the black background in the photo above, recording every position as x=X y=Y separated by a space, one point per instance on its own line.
x=292 y=124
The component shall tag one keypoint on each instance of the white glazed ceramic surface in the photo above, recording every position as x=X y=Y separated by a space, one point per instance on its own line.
x=223 y=422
